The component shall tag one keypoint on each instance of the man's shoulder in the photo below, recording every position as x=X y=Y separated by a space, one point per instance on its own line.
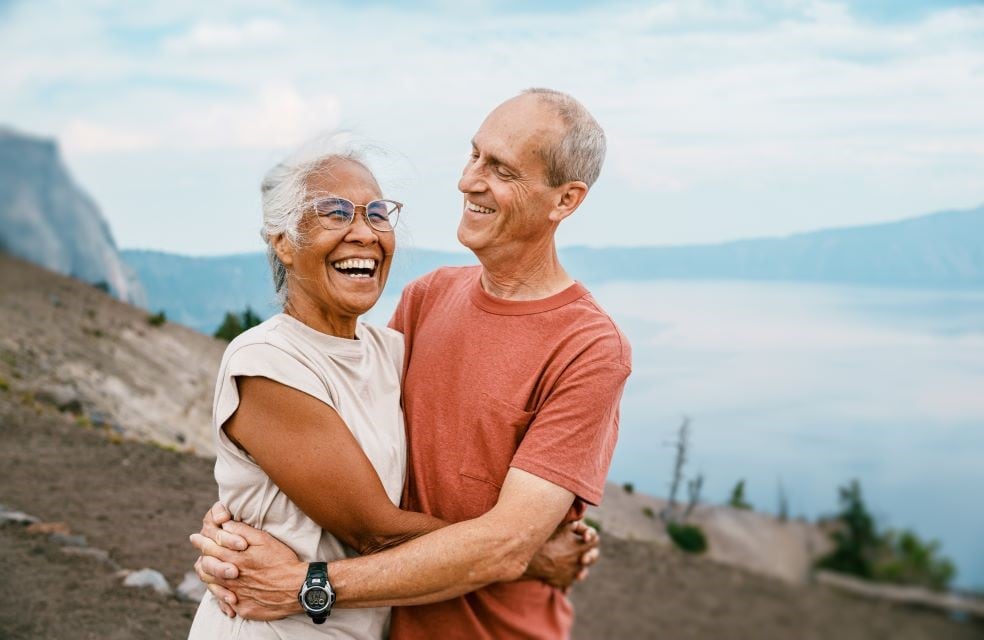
x=597 y=326
x=441 y=278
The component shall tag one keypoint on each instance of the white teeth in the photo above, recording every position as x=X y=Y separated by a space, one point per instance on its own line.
x=355 y=263
x=477 y=208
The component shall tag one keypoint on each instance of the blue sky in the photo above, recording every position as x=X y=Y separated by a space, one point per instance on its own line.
x=725 y=119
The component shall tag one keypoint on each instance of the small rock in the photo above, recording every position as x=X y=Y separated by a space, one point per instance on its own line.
x=191 y=588
x=61 y=396
x=17 y=517
x=99 y=555
x=148 y=578
x=100 y=419
x=50 y=527
x=68 y=540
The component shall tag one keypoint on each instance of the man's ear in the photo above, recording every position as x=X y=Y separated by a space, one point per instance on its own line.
x=284 y=249
x=570 y=197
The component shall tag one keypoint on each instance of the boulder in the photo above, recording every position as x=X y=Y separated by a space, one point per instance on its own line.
x=191 y=588
x=148 y=578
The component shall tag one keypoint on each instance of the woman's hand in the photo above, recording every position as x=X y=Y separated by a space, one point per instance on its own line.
x=567 y=556
x=211 y=529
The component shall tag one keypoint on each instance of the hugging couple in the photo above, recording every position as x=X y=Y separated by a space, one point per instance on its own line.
x=441 y=465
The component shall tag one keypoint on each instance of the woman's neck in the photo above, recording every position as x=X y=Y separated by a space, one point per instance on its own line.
x=321 y=319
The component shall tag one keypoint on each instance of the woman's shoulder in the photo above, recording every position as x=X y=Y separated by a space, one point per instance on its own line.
x=386 y=338
x=268 y=336
x=260 y=333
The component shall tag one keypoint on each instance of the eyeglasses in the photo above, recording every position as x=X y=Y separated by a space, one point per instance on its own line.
x=335 y=213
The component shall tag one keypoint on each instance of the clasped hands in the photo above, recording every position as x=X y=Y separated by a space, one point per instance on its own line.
x=256 y=576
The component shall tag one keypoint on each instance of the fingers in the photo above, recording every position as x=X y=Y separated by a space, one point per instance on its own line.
x=590 y=536
x=229 y=540
x=218 y=570
x=212 y=551
x=224 y=598
x=243 y=534
x=590 y=557
x=219 y=514
x=577 y=527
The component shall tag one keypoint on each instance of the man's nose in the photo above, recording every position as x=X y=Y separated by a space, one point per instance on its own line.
x=471 y=179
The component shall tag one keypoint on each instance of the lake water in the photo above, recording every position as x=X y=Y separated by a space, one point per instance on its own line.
x=810 y=386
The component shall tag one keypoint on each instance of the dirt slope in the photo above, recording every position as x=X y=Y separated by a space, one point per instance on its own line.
x=63 y=340
x=67 y=342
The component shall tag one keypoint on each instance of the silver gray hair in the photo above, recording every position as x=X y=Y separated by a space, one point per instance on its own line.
x=285 y=194
x=580 y=152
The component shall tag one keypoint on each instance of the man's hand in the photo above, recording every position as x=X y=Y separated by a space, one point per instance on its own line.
x=259 y=582
x=566 y=556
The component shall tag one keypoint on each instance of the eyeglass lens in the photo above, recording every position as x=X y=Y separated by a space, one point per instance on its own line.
x=337 y=213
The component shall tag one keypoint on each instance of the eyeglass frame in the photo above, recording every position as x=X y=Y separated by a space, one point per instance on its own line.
x=355 y=212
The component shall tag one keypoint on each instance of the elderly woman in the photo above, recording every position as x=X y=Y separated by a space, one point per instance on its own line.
x=311 y=443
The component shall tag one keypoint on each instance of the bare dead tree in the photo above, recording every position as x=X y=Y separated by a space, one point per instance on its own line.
x=681 y=445
x=693 y=494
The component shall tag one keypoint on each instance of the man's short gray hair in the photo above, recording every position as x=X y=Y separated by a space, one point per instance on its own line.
x=285 y=195
x=580 y=152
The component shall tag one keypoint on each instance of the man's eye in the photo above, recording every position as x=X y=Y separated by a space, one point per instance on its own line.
x=502 y=173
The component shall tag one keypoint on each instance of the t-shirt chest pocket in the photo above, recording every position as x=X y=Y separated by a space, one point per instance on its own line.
x=490 y=441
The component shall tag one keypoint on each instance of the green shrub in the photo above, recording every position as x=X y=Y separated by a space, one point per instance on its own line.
x=628 y=487
x=4 y=385
x=737 y=499
x=157 y=319
x=688 y=537
x=905 y=559
x=899 y=557
x=648 y=512
x=235 y=323
x=594 y=524
x=102 y=285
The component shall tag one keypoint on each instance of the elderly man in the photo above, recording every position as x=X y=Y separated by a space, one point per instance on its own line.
x=511 y=392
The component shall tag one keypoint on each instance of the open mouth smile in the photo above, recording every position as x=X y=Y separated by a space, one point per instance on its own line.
x=356 y=267
x=471 y=206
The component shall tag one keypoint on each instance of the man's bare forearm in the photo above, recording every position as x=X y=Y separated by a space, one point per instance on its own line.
x=455 y=560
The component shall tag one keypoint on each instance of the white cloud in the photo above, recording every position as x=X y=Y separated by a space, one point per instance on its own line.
x=712 y=109
x=84 y=137
x=273 y=118
x=206 y=36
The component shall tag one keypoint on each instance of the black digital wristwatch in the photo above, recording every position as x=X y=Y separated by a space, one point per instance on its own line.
x=316 y=595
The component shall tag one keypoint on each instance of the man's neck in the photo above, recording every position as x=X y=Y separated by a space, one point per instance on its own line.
x=532 y=274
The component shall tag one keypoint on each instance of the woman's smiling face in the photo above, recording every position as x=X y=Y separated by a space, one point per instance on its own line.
x=329 y=284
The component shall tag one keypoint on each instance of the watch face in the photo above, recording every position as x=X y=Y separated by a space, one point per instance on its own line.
x=316 y=598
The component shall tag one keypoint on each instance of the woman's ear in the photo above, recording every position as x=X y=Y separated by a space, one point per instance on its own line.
x=284 y=249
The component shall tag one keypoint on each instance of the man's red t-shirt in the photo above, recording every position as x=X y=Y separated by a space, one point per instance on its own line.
x=491 y=384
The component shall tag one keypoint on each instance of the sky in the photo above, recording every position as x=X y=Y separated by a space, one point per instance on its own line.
x=725 y=120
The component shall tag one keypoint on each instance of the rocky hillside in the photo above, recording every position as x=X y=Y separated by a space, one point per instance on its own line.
x=69 y=345
x=100 y=409
x=47 y=219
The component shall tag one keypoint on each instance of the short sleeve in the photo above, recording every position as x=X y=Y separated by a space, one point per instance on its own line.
x=410 y=301
x=266 y=361
x=571 y=439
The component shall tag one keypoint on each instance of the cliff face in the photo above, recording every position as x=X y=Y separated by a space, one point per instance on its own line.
x=46 y=219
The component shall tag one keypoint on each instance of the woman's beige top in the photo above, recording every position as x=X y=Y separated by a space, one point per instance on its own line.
x=360 y=379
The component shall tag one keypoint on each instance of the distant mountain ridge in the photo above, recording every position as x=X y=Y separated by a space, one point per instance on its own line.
x=47 y=219
x=944 y=249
